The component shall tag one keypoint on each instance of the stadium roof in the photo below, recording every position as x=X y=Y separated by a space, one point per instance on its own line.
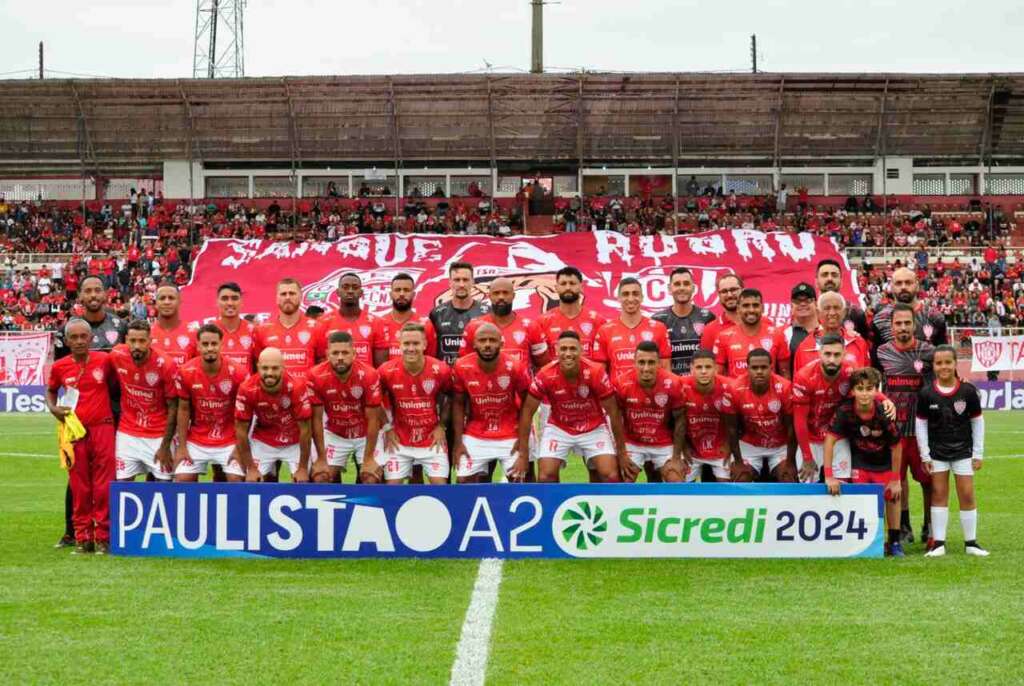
x=125 y=127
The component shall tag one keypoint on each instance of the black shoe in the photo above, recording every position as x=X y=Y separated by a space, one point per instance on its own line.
x=65 y=542
x=83 y=548
x=906 y=535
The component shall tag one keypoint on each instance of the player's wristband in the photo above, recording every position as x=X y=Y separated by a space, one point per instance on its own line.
x=828 y=473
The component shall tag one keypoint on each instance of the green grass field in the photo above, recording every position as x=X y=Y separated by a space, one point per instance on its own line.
x=92 y=620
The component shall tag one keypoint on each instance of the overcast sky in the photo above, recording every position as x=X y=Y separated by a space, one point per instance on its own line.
x=154 y=38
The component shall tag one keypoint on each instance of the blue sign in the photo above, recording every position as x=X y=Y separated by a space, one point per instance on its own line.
x=495 y=520
x=22 y=399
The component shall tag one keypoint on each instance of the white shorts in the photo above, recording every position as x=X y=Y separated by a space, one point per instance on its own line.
x=540 y=421
x=202 y=456
x=963 y=467
x=756 y=456
x=555 y=444
x=841 y=460
x=657 y=455
x=339 y=449
x=481 y=452
x=135 y=455
x=267 y=455
x=399 y=464
x=721 y=473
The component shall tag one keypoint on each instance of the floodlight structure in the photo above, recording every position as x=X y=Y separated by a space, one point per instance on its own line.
x=219 y=40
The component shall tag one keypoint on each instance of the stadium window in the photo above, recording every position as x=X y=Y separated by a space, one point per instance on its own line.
x=320 y=186
x=850 y=184
x=814 y=183
x=929 y=184
x=465 y=186
x=963 y=184
x=650 y=184
x=683 y=181
x=749 y=184
x=892 y=173
x=1005 y=184
x=604 y=185
x=424 y=186
x=227 y=186
x=363 y=187
x=509 y=185
x=567 y=185
x=273 y=187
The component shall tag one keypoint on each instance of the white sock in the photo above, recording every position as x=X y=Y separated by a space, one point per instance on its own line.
x=940 y=519
x=969 y=522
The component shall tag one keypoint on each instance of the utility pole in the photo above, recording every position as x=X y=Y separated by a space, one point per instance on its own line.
x=40 y=60
x=537 y=57
x=753 y=53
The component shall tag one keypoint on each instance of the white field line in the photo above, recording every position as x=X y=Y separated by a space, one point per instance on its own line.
x=470 y=666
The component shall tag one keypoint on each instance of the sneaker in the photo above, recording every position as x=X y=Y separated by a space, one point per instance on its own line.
x=976 y=550
x=906 y=535
x=65 y=542
x=83 y=548
x=896 y=550
x=102 y=548
x=936 y=551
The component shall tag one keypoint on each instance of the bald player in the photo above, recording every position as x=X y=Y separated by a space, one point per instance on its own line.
x=523 y=339
x=929 y=324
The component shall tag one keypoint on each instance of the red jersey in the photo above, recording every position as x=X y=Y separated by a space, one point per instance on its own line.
x=296 y=343
x=522 y=338
x=90 y=379
x=712 y=329
x=576 y=404
x=706 y=432
x=277 y=414
x=145 y=389
x=493 y=410
x=178 y=344
x=388 y=329
x=363 y=329
x=211 y=401
x=761 y=415
x=552 y=323
x=615 y=343
x=345 y=402
x=820 y=396
x=857 y=355
x=647 y=412
x=732 y=345
x=239 y=345
x=413 y=399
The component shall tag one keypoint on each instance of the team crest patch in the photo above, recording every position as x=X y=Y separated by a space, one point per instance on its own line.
x=844 y=388
x=519 y=337
x=182 y=341
x=225 y=386
x=356 y=391
x=774 y=406
x=959 y=406
x=504 y=381
x=98 y=375
x=286 y=402
x=246 y=341
x=583 y=391
x=647 y=335
x=167 y=342
x=865 y=430
x=726 y=402
x=918 y=366
x=152 y=378
x=698 y=328
x=364 y=331
x=304 y=337
x=111 y=336
x=928 y=329
x=231 y=343
x=766 y=343
x=586 y=328
x=428 y=386
x=661 y=399
x=987 y=353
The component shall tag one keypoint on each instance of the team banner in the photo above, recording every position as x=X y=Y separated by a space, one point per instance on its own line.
x=23 y=360
x=997 y=354
x=772 y=262
x=507 y=521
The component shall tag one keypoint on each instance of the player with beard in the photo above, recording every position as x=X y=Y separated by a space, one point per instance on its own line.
x=929 y=323
x=763 y=404
x=524 y=342
x=829 y=279
x=386 y=346
x=149 y=407
x=281 y=408
x=906 y=364
x=291 y=332
x=170 y=335
x=684 y=320
x=346 y=409
x=707 y=397
x=570 y=315
x=616 y=341
x=951 y=437
x=832 y=313
x=752 y=332
x=818 y=388
x=351 y=318
x=450 y=319
x=207 y=386
x=728 y=287
x=583 y=405
x=238 y=344
x=489 y=388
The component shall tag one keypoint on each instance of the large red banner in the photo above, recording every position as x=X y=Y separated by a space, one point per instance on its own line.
x=771 y=262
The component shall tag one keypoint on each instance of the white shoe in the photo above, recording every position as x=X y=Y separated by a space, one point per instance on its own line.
x=976 y=550
x=937 y=551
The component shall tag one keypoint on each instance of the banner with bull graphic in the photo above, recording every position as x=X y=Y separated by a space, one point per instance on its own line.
x=23 y=361
x=997 y=354
x=771 y=262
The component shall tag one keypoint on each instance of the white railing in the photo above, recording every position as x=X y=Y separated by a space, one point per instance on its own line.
x=882 y=254
x=28 y=259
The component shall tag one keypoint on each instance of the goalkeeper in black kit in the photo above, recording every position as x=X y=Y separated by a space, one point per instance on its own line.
x=951 y=438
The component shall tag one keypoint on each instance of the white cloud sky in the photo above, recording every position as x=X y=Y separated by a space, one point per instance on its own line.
x=153 y=38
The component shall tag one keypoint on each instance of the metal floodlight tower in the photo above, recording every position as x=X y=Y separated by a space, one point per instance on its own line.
x=220 y=39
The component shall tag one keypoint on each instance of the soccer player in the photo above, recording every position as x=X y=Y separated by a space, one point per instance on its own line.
x=416 y=388
x=752 y=332
x=651 y=401
x=346 y=409
x=489 y=388
x=832 y=313
x=570 y=315
x=451 y=318
x=763 y=405
x=169 y=335
x=523 y=340
x=707 y=397
x=906 y=364
x=238 y=343
x=85 y=376
x=929 y=323
x=951 y=438
x=616 y=341
x=684 y=320
x=386 y=345
x=149 y=407
x=875 y=448
x=805 y=320
x=350 y=317
x=291 y=332
x=206 y=387
x=728 y=287
x=829 y=278
x=818 y=388
x=582 y=400
x=281 y=408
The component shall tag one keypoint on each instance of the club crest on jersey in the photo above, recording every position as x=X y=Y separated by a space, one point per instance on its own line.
x=519 y=337
x=304 y=337
x=661 y=399
x=959 y=406
x=698 y=328
x=586 y=328
x=356 y=391
x=152 y=378
x=364 y=331
x=286 y=402
x=246 y=341
x=766 y=343
x=111 y=336
x=583 y=391
x=503 y=381
x=98 y=375
x=428 y=386
x=167 y=342
x=647 y=335
x=774 y=406
x=865 y=430
x=928 y=329
x=225 y=386
x=726 y=402
x=182 y=341
x=844 y=388
x=918 y=366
